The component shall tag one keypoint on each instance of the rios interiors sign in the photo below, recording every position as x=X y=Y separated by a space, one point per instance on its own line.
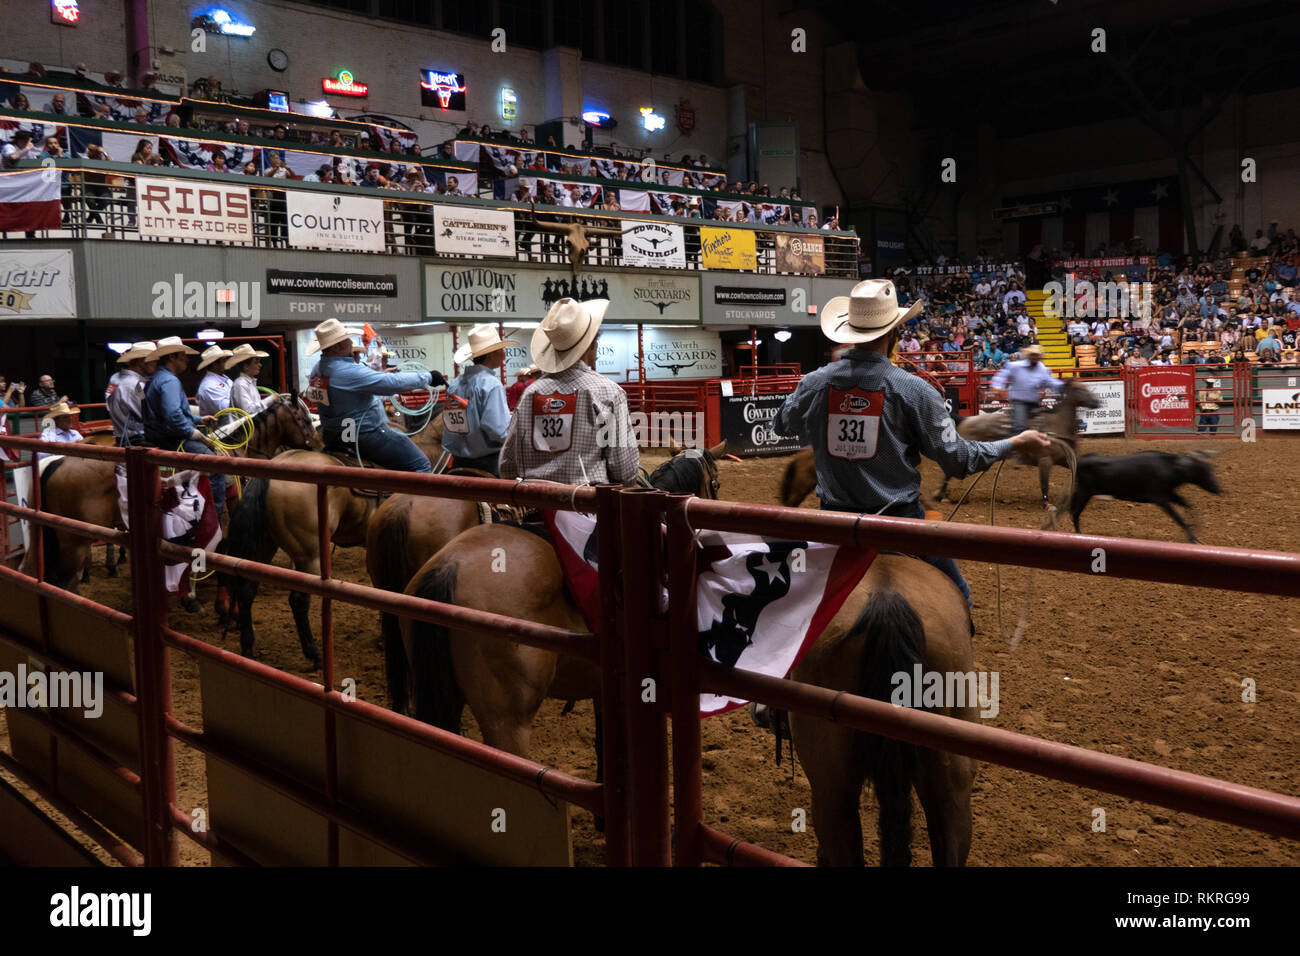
x=488 y=294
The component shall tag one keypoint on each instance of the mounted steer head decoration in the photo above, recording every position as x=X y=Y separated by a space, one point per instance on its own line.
x=577 y=235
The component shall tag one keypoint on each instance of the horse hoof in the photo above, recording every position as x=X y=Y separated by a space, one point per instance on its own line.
x=313 y=657
x=192 y=605
x=112 y=570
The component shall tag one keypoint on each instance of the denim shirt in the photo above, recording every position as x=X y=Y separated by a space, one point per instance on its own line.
x=912 y=422
x=487 y=414
x=168 y=420
x=357 y=391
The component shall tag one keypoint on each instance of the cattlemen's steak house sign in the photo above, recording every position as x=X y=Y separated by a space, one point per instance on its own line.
x=484 y=293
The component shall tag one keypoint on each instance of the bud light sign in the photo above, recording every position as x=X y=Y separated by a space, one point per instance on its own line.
x=747 y=426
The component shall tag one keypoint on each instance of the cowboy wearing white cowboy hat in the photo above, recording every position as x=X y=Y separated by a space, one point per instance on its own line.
x=562 y=425
x=168 y=422
x=473 y=434
x=869 y=421
x=57 y=425
x=523 y=378
x=1024 y=382
x=125 y=398
x=245 y=362
x=213 y=393
x=348 y=394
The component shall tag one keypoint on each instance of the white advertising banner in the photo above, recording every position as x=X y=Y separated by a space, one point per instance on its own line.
x=22 y=491
x=193 y=210
x=1281 y=408
x=460 y=230
x=37 y=284
x=1109 y=418
x=654 y=244
x=323 y=221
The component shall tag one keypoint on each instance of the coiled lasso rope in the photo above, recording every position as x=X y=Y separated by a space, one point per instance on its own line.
x=427 y=409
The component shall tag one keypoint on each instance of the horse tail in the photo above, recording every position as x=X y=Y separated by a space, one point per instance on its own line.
x=386 y=544
x=436 y=696
x=894 y=643
x=789 y=480
x=52 y=554
x=248 y=537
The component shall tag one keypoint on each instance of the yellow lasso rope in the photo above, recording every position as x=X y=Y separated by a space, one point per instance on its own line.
x=235 y=447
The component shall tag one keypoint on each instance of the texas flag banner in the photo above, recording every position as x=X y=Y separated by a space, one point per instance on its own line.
x=29 y=201
x=760 y=602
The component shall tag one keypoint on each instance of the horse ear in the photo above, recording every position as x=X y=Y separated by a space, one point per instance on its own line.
x=717 y=450
x=674 y=449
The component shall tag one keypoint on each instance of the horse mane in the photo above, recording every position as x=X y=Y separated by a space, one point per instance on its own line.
x=682 y=474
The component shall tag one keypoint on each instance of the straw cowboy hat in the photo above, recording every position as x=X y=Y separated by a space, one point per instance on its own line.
x=55 y=410
x=869 y=312
x=525 y=372
x=243 y=353
x=482 y=339
x=137 y=350
x=328 y=333
x=566 y=333
x=210 y=355
x=1032 y=350
x=170 y=346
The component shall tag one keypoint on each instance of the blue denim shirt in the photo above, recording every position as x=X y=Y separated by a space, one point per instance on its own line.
x=357 y=392
x=168 y=420
x=487 y=414
x=913 y=422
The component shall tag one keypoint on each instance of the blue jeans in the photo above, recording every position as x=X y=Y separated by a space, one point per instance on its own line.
x=1020 y=412
x=195 y=447
x=945 y=564
x=386 y=448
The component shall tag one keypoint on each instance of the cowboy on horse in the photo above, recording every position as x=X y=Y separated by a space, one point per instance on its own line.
x=126 y=400
x=473 y=434
x=1024 y=382
x=870 y=421
x=348 y=397
x=244 y=364
x=213 y=393
x=559 y=428
x=168 y=421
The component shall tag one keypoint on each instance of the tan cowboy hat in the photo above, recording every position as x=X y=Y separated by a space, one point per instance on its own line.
x=870 y=311
x=170 y=346
x=566 y=333
x=330 y=332
x=136 y=351
x=482 y=339
x=243 y=353
x=210 y=355
x=61 y=408
x=525 y=372
x=1034 y=350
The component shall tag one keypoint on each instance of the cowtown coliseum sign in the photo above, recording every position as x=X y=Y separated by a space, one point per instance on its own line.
x=484 y=293
x=1165 y=396
x=747 y=426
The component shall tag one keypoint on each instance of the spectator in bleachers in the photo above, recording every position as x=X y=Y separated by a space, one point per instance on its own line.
x=525 y=136
x=19 y=101
x=141 y=115
x=53 y=148
x=453 y=187
x=19 y=148
x=1269 y=348
x=174 y=120
x=57 y=104
x=218 y=164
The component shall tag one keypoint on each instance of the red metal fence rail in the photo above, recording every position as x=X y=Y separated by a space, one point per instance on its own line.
x=647 y=651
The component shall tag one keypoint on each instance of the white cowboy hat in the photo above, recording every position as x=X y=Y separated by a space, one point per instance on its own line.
x=1035 y=350
x=482 y=339
x=566 y=333
x=136 y=351
x=330 y=332
x=170 y=345
x=243 y=353
x=524 y=372
x=60 y=408
x=870 y=311
x=210 y=355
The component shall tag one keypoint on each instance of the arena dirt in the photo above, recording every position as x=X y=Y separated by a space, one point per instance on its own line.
x=1147 y=671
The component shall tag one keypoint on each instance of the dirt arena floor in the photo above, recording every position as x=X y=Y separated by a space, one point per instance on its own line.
x=1147 y=671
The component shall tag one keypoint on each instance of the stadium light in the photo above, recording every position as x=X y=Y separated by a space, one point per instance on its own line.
x=652 y=120
x=210 y=335
x=119 y=347
x=782 y=335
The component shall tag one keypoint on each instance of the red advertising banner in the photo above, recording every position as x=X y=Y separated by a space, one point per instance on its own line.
x=1166 y=396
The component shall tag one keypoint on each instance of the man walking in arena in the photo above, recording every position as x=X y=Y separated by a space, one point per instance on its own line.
x=870 y=421
x=474 y=433
x=555 y=432
x=348 y=398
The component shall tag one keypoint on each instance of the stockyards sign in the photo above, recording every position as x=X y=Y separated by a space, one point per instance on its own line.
x=37 y=284
x=728 y=248
x=1165 y=396
x=322 y=221
x=654 y=244
x=747 y=426
x=805 y=255
x=460 y=230
x=193 y=209
x=484 y=294
x=1281 y=408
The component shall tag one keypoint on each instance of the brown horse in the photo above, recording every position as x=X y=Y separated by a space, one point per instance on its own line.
x=903 y=612
x=505 y=683
x=1061 y=422
x=86 y=489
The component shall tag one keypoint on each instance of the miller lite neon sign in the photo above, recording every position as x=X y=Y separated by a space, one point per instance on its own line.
x=65 y=12
x=344 y=85
x=446 y=91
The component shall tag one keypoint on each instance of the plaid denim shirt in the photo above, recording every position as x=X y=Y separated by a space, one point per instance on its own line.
x=913 y=422
x=601 y=414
